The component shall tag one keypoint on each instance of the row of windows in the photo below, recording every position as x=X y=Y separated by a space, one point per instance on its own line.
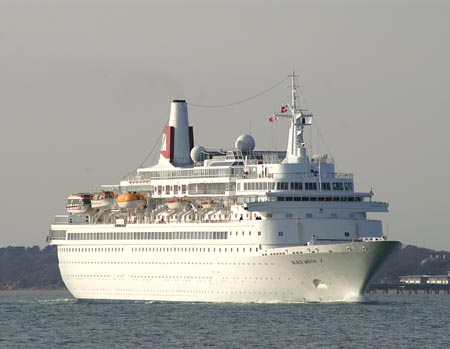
x=296 y=186
x=195 y=188
x=161 y=249
x=181 y=291
x=161 y=235
x=181 y=263
x=175 y=277
x=172 y=278
x=319 y=198
x=92 y=249
x=220 y=188
x=192 y=173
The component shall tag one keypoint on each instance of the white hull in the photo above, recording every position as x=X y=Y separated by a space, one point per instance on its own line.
x=338 y=272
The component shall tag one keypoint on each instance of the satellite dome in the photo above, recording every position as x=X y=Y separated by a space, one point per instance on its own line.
x=245 y=143
x=198 y=153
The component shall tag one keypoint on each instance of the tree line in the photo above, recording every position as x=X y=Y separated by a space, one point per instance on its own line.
x=29 y=268
x=413 y=260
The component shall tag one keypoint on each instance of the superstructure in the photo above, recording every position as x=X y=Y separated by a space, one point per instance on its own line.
x=240 y=225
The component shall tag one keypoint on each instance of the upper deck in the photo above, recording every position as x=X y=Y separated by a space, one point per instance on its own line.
x=243 y=186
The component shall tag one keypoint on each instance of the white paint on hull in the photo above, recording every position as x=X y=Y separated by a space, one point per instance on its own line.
x=323 y=276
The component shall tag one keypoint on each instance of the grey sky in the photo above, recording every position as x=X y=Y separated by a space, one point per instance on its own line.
x=85 y=87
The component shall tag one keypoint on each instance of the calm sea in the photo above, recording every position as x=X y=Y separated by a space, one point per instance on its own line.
x=56 y=320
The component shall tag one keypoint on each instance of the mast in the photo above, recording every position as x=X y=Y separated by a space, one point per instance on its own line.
x=296 y=147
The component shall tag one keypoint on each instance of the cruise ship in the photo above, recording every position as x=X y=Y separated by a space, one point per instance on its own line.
x=237 y=225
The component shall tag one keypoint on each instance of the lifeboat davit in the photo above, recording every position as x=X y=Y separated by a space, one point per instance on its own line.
x=131 y=200
x=104 y=200
x=178 y=204
x=78 y=203
x=210 y=204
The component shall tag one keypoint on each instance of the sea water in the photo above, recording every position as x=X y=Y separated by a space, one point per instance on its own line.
x=56 y=320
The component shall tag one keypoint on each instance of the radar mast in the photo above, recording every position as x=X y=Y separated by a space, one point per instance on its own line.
x=296 y=148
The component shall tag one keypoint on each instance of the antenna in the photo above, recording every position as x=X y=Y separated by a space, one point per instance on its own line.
x=296 y=148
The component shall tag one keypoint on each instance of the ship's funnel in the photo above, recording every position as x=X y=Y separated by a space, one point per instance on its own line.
x=178 y=138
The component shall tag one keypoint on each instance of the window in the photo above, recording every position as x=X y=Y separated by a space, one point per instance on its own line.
x=326 y=186
x=282 y=185
x=310 y=186
x=296 y=186
x=280 y=233
x=348 y=186
x=338 y=186
x=347 y=233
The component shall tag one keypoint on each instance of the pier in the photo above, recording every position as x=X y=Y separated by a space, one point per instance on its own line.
x=401 y=288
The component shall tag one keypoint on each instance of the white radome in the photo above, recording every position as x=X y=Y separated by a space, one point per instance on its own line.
x=198 y=153
x=245 y=143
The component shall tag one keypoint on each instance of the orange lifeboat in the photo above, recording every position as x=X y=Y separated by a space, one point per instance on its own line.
x=210 y=204
x=178 y=204
x=131 y=200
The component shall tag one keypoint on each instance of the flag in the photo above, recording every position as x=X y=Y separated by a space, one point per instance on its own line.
x=284 y=109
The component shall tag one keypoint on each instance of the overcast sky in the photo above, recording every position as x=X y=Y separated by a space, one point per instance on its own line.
x=86 y=86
